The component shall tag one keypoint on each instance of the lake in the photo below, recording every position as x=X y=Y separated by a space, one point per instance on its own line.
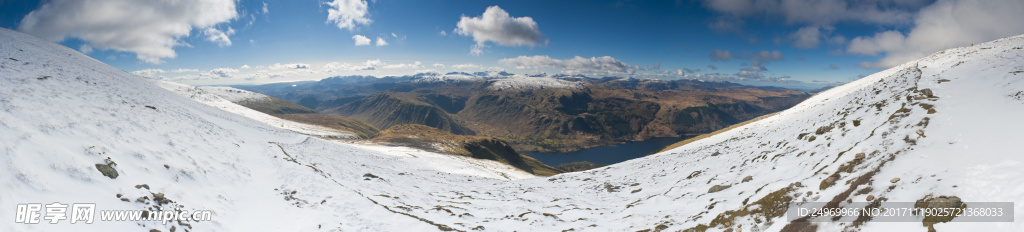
x=606 y=154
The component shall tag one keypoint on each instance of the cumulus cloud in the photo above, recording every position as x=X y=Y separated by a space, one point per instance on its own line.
x=184 y=70
x=807 y=37
x=466 y=66
x=765 y=56
x=85 y=48
x=346 y=14
x=759 y=59
x=365 y=66
x=381 y=42
x=218 y=36
x=497 y=26
x=223 y=72
x=413 y=65
x=150 y=29
x=604 y=64
x=361 y=40
x=721 y=55
x=817 y=12
x=148 y=72
x=942 y=25
x=749 y=74
x=288 y=66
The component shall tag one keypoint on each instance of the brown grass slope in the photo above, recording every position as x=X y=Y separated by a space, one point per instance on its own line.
x=362 y=129
x=429 y=138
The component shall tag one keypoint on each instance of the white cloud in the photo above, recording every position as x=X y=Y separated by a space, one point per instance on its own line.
x=148 y=72
x=381 y=42
x=748 y=74
x=361 y=40
x=817 y=12
x=496 y=25
x=265 y=10
x=276 y=66
x=223 y=72
x=365 y=66
x=465 y=66
x=183 y=70
x=438 y=65
x=104 y=25
x=807 y=37
x=245 y=66
x=765 y=56
x=218 y=36
x=414 y=65
x=722 y=55
x=602 y=65
x=85 y=48
x=943 y=25
x=348 y=13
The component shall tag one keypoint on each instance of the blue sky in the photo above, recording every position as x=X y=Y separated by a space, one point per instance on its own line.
x=763 y=42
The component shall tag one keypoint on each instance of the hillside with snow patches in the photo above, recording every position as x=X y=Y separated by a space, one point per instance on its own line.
x=945 y=125
x=226 y=98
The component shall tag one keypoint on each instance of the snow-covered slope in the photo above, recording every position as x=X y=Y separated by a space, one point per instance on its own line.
x=526 y=82
x=63 y=113
x=234 y=95
x=225 y=98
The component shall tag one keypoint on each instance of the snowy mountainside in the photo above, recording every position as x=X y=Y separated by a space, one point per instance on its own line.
x=227 y=98
x=946 y=125
x=525 y=82
x=61 y=113
x=233 y=94
x=502 y=81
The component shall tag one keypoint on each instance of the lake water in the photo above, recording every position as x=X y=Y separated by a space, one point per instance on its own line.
x=606 y=154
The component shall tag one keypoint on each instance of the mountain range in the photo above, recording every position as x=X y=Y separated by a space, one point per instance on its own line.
x=540 y=112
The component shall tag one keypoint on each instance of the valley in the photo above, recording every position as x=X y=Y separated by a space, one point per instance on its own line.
x=547 y=114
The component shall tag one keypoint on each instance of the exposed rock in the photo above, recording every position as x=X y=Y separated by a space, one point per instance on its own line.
x=107 y=170
x=142 y=186
x=828 y=182
x=159 y=198
x=894 y=180
x=938 y=203
x=367 y=176
x=717 y=188
x=859 y=155
x=870 y=198
x=748 y=178
x=928 y=93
